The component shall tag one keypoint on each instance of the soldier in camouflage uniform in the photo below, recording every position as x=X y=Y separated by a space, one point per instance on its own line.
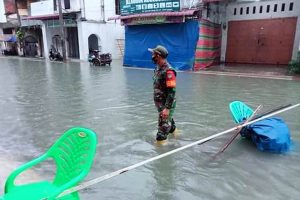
x=164 y=85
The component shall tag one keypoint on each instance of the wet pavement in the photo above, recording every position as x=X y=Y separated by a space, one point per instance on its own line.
x=40 y=100
x=230 y=69
x=264 y=70
x=254 y=71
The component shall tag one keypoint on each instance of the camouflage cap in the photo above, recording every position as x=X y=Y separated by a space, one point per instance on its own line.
x=161 y=50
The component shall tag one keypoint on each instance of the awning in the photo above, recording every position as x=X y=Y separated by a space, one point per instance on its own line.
x=12 y=38
x=42 y=17
x=8 y=38
x=152 y=14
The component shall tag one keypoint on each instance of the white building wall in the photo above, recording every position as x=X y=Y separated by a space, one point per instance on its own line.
x=47 y=7
x=213 y=14
x=2 y=11
x=74 y=4
x=42 y=8
x=227 y=14
x=187 y=4
x=107 y=31
x=109 y=7
x=107 y=38
x=93 y=9
x=48 y=34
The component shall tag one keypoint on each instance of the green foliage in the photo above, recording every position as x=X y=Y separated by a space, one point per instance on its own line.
x=294 y=65
x=20 y=34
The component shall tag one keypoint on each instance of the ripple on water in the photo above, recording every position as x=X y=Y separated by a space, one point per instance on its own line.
x=40 y=100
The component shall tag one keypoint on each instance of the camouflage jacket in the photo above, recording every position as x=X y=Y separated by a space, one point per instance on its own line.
x=164 y=86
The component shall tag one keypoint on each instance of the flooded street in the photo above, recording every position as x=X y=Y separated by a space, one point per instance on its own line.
x=40 y=100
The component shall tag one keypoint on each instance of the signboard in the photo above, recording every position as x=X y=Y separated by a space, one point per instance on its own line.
x=54 y=23
x=129 y=7
x=154 y=20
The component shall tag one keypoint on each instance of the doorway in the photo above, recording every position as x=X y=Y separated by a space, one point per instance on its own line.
x=30 y=46
x=94 y=43
x=267 y=41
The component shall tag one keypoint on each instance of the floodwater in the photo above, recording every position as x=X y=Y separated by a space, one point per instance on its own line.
x=40 y=100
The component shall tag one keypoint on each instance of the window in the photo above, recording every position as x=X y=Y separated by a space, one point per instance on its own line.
x=54 y=5
x=117 y=4
x=282 y=7
x=67 y=4
x=291 y=6
x=241 y=11
x=268 y=8
x=260 y=9
x=254 y=10
x=7 y=31
x=275 y=8
x=247 y=10
x=234 y=12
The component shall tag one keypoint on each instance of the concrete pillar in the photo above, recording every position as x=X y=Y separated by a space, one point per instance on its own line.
x=297 y=40
x=224 y=28
x=45 y=42
x=81 y=41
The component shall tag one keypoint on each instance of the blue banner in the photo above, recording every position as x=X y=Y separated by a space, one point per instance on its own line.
x=180 y=39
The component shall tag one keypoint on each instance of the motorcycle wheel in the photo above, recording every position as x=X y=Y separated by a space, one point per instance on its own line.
x=96 y=63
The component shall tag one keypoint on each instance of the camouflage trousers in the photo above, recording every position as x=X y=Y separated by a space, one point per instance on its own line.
x=166 y=126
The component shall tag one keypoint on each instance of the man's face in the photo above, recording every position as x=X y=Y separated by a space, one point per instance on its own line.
x=155 y=57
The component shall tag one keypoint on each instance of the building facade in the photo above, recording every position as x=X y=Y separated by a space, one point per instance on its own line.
x=260 y=32
x=85 y=26
x=96 y=33
x=171 y=23
x=232 y=31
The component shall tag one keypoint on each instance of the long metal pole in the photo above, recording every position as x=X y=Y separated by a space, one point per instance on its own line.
x=62 y=31
x=239 y=130
x=126 y=169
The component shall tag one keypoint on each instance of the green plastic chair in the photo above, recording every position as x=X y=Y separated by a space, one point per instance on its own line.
x=240 y=111
x=73 y=154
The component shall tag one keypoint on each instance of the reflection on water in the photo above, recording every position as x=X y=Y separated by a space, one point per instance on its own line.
x=40 y=100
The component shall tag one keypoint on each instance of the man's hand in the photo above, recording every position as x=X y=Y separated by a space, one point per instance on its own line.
x=165 y=113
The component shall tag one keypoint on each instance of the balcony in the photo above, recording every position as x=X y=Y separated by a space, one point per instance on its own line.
x=50 y=7
x=42 y=8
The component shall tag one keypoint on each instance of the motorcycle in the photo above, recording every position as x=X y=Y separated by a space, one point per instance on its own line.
x=55 y=55
x=99 y=59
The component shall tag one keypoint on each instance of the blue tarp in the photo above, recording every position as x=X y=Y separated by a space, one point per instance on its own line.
x=180 y=39
x=271 y=134
x=12 y=38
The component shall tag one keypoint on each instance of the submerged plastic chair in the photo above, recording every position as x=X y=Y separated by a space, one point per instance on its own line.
x=73 y=154
x=240 y=111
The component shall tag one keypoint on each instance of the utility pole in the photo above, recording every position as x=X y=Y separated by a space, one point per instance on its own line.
x=18 y=14
x=19 y=27
x=62 y=31
x=102 y=11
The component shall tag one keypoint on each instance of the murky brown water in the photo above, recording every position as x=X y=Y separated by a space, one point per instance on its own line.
x=39 y=101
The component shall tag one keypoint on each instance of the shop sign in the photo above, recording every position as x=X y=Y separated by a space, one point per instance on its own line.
x=153 y=20
x=129 y=7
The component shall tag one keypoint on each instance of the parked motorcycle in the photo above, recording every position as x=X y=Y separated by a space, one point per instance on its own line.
x=55 y=55
x=99 y=59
